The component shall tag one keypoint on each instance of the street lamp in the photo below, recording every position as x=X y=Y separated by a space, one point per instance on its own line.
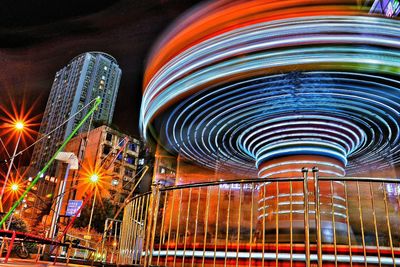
x=94 y=178
x=18 y=126
x=14 y=187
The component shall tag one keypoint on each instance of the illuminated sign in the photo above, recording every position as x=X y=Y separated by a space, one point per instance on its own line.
x=73 y=207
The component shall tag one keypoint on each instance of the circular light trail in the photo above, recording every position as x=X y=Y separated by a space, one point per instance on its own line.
x=265 y=93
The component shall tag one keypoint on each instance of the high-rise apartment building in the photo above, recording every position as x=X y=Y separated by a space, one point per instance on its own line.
x=85 y=77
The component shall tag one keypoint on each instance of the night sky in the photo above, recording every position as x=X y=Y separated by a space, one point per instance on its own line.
x=37 y=38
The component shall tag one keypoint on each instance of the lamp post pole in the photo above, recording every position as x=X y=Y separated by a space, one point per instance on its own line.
x=91 y=213
x=9 y=170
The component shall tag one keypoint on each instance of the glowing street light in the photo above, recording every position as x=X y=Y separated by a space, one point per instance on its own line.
x=94 y=178
x=14 y=187
x=19 y=125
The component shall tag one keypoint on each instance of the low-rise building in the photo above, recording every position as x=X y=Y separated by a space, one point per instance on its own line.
x=106 y=149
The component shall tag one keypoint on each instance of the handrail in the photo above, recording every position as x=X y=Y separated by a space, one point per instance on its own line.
x=360 y=179
x=284 y=179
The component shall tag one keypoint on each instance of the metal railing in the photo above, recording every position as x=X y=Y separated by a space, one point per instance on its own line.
x=110 y=240
x=328 y=221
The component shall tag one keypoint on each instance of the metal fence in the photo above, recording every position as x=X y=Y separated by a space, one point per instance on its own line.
x=266 y=222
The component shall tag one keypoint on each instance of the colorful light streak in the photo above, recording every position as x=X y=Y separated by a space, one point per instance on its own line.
x=250 y=86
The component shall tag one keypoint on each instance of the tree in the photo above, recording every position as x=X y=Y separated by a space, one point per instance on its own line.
x=102 y=210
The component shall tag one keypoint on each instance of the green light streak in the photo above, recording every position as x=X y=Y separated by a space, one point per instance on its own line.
x=38 y=176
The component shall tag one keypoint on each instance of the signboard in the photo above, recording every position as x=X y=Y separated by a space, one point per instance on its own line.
x=73 y=207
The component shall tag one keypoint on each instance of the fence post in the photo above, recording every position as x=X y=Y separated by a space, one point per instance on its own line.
x=156 y=194
x=306 y=213
x=10 y=247
x=150 y=212
x=317 y=216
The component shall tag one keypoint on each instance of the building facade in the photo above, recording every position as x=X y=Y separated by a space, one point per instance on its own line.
x=84 y=78
x=107 y=154
x=75 y=86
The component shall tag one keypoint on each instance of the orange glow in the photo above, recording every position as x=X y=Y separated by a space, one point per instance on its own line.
x=19 y=125
x=17 y=119
x=14 y=187
x=94 y=177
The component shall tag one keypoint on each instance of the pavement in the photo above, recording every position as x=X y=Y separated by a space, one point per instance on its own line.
x=31 y=263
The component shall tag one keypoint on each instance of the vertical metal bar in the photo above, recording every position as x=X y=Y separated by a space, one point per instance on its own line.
x=277 y=225
x=148 y=216
x=216 y=224
x=317 y=216
x=251 y=223
x=388 y=224
x=10 y=247
x=187 y=225
x=206 y=224
x=162 y=227
x=103 y=240
x=132 y=235
x=291 y=222
x=177 y=226
x=137 y=220
x=371 y=190
x=155 y=217
x=133 y=227
x=132 y=223
x=144 y=229
x=170 y=226
x=263 y=230
x=227 y=225
x=125 y=234
x=114 y=242
x=122 y=240
x=361 y=224
x=122 y=247
x=239 y=224
x=195 y=225
x=306 y=225
x=333 y=222
x=348 y=224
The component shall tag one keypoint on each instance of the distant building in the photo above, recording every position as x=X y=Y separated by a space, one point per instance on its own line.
x=85 y=77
